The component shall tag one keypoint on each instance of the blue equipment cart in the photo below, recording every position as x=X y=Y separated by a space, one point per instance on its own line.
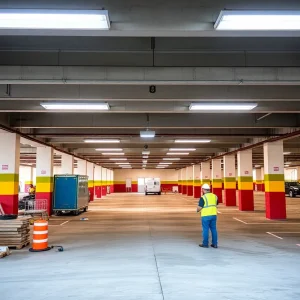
x=70 y=194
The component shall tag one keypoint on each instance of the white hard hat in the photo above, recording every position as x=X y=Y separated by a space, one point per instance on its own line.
x=205 y=186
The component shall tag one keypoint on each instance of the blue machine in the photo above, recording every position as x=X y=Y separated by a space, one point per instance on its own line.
x=70 y=194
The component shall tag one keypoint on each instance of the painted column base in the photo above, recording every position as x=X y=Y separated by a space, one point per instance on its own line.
x=91 y=190
x=111 y=189
x=45 y=196
x=184 y=190
x=230 y=197
x=190 y=190
x=179 y=188
x=197 y=191
x=97 y=192
x=275 y=205
x=9 y=204
x=103 y=191
x=246 y=200
x=218 y=192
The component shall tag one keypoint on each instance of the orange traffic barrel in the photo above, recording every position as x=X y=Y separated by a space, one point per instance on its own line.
x=40 y=236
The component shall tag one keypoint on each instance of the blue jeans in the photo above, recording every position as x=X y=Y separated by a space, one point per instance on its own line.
x=209 y=222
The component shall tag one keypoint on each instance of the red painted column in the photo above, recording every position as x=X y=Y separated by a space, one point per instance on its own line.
x=245 y=181
x=229 y=180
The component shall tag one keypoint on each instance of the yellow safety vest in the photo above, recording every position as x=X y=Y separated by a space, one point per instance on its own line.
x=210 y=205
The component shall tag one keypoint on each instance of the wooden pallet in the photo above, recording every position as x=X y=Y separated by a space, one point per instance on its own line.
x=18 y=247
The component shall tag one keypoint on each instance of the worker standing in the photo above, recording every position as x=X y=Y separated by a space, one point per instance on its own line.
x=31 y=190
x=208 y=208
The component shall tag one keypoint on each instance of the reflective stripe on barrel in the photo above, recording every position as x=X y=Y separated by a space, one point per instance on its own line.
x=40 y=235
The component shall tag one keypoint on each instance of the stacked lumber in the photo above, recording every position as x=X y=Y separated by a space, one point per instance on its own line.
x=15 y=233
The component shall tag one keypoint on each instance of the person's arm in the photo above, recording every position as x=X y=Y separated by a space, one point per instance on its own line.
x=200 y=205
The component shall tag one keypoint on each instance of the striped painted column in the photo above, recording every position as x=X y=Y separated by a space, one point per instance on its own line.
x=81 y=167
x=217 y=181
x=9 y=171
x=274 y=180
x=197 y=181
x=112 y=187
x=229 y=180
x=44 y=175
x=205 y=174
x=28 y=178
x=190 y=181
x=184 y=181
x=179 y=182
x=90 y=174
x=67 y=164
x=97 y=182
x=259 y=180
x=104 y=182
x=245 y=181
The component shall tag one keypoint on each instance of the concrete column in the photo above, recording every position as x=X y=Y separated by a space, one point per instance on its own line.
x=26 y=177
x=81 y=167
x=274 y=180
x=197 y=181
x=217 y=179
x=44 y=175
x=108 y=181
x=229 y=180
x=103 y=182
x=67 y=164
x=9 y=171
x=245 y=180
x=259 y=180
x=97 y=181
x=205 y=173
x=112 y=188
x=90 y=174
x=184 y=181
x=179 y=182
x=190 y=179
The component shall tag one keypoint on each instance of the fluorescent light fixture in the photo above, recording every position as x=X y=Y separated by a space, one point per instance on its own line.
x=258 y=20
x=147 y=134
x=257 y=166
x=103 y=141
x=192 y=141
x=286 y=153
x=108 y=149
x=145 y=156
x=118 y=159
x=177 y=153
x=144 y=161
x=287 y=163
x=54 y=19
x=146 y=152
x=182 y=149
x=112 y=153
x=222 y=106
x=74 y=106
x=171 y=158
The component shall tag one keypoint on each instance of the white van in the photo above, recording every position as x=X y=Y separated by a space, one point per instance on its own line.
x=152 y=186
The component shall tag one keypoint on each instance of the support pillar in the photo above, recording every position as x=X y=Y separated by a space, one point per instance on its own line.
x=245 y=181
x=197 y=181
x=28 y=178
x=184 y=181
x=104 y=182
x=97 y=181
x=229 y=180
x=274 y=180
x=81 y=167
x=90 y=174
x=217 y=179
x=44 y=175
x=179 y=182
x=205 y=174
x=190 y=179
x=112 y=188
x=9 y=171
x=67 y=164
x=259 y=181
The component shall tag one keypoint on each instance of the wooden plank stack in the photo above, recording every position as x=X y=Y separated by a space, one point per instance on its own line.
x=15 y=233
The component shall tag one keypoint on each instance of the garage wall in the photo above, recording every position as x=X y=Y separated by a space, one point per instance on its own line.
x=290 y=174
x=168 y=178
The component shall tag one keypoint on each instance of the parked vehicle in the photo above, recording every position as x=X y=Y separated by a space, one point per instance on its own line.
x=26 y=200
x=152 y=186
x=292 y=189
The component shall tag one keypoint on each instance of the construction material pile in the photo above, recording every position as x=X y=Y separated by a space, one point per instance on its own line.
x=15 y=233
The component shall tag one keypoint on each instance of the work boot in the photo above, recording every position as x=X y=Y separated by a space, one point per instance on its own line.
x=203 y=246
x=214 y=246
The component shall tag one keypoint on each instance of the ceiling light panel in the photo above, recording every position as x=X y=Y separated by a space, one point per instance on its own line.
x=112 y=153
x=223 y=107
x=193 y=141
x=75 y=106
x=182 y=149
x=177 y=153
x=118 y=159
x=103 y=141
x=54 y=19
x=171 y=158
x=258 y=20
x=109 y=149
x=146 y=152
x=147 y=134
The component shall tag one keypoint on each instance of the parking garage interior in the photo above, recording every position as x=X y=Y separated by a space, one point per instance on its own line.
x=162 y=92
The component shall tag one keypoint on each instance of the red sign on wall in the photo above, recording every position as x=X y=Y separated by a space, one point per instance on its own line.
x=229 y=174
x=246 y=172
x=43 y=172
x=276 y=169
x=4 y=167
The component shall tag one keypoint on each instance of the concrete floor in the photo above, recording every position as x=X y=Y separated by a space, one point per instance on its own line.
x=146 y=247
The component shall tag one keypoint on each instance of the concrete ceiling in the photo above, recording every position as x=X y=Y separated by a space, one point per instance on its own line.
x=169 y=44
